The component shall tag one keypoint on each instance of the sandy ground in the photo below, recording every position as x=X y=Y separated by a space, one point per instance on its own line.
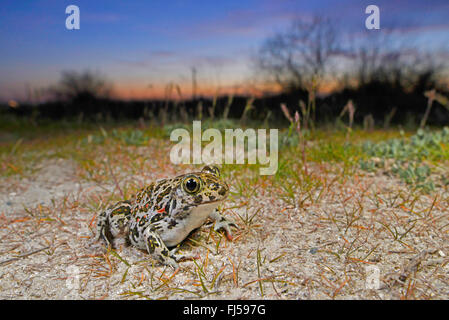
x=332 y=242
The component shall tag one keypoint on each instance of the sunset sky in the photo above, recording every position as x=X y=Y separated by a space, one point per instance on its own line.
x=140 y=46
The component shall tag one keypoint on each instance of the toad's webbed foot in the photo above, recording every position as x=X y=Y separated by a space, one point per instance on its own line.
x=222 y=223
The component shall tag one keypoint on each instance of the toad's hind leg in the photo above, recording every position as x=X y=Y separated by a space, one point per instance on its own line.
x=113 y=222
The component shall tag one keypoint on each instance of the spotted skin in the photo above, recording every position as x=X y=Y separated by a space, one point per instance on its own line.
x=164 y=213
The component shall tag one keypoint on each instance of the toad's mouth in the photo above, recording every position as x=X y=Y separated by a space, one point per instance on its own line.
x=204 y=199
x=212 y=201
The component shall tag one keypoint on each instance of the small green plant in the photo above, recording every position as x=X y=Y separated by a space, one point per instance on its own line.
x=96 y=138
x=367 y=165
x=408 y=156
x=414 y=174
x=422 y=145
x=134 y=137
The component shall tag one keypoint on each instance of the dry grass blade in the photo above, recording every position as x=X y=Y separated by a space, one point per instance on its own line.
x=24 y=255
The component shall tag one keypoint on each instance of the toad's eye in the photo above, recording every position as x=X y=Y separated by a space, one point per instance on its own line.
x=192 y=184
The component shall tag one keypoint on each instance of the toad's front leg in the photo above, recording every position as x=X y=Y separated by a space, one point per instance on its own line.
x=157 y=248
x=222 y=223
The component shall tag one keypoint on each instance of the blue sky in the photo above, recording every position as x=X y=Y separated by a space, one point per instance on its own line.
x=141 y=46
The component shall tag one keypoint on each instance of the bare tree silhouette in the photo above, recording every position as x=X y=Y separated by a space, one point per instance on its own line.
x=300 y=55
x=81 y=86
x=381 y=58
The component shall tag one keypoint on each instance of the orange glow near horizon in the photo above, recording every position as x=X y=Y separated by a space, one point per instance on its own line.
x=137 y=92
x=175 y=92
x=184 y=91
